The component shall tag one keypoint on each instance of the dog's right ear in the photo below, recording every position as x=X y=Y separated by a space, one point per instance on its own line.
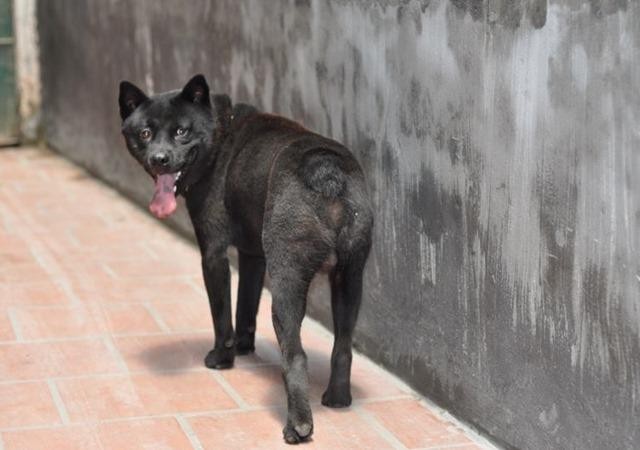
x=130 y=98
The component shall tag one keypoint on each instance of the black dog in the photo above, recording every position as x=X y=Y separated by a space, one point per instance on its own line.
x=289 y=200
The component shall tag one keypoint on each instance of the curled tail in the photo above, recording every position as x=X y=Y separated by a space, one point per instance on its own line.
x=322 y=172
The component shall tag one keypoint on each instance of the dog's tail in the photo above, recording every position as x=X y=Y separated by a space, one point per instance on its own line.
x=322 y=172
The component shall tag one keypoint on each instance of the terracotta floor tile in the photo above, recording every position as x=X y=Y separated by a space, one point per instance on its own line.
x=41 y=292
x=129 y=318
x=42 y=360
x=60 y=438
x=59 y=322
x=344 y=429
x=26 y=404
x=14 y=252
x=156 y=434
x=258 y=386
x=185 y=316
x=106 y=289
x=6 y=330
x=238 y=431
x=28 y=272
x=75 y=257
x=86 y=320
x=109 y=397
x=415 y=426
x=91 y=237
x=153 y=268
x=179 y=250
x=333 y=429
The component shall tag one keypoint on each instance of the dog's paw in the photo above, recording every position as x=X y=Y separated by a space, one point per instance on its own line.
x=245 y=344
x=220 y=358
x=336 y=397
x=294 y=434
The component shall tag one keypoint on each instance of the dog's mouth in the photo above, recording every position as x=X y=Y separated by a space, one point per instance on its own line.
x=167 y=186
x=164 y=203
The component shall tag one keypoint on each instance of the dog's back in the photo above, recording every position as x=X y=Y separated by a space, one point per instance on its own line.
x=286 y=182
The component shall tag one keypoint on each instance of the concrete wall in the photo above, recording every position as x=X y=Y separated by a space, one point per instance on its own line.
x=502 y=143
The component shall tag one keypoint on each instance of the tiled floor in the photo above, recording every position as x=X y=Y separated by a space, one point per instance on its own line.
x=104 y=324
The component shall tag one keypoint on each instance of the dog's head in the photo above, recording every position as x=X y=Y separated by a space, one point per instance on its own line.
x=172 y=136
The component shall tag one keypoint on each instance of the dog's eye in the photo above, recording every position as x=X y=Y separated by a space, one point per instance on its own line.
x=181 y=132
x=145 y=134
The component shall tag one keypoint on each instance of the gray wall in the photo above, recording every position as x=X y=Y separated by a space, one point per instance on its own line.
x=502 y=143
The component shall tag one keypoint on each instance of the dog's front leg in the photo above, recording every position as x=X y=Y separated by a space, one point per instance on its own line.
x=215 y=267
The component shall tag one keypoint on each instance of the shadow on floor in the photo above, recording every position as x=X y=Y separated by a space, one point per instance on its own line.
x=261 y=368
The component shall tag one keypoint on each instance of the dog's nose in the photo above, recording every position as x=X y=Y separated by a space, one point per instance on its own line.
x=160 y=159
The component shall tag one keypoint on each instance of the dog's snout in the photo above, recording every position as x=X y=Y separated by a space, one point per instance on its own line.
x=159 y=159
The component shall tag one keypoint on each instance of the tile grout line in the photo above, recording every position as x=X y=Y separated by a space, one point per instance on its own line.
x=230 y=391
x=108 y=270
x=149 y=251
x=72 y=239
x=379 y=428
x=108 y=342
x=15 y=324
x=57 y=400
x=186 y=429
x=157 y=317
x=197 y=288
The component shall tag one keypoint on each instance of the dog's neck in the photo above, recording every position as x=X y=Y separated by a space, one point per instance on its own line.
x=209 y=176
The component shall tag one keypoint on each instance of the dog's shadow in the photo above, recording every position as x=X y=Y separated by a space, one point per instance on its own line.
x=173 y=358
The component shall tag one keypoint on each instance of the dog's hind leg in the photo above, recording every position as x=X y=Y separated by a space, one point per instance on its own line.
x=289 y=290
x=346 y=295
x=251 y=270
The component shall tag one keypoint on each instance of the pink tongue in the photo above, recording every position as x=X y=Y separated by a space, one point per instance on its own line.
x=163 y=203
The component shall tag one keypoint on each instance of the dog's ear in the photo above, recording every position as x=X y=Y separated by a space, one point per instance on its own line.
x=222 y=108
x=130 y=98
x=197 y=91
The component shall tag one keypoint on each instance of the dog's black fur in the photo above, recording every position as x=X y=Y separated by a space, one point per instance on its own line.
x=291 y=201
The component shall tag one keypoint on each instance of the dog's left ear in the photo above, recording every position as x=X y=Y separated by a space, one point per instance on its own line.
x=197 y=91
x=130 y=98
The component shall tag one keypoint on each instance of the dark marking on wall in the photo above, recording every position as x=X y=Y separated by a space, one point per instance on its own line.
x=510 y=13
x=425 y=202
x=537 y=12
x=474 y=7
x=601 y=8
